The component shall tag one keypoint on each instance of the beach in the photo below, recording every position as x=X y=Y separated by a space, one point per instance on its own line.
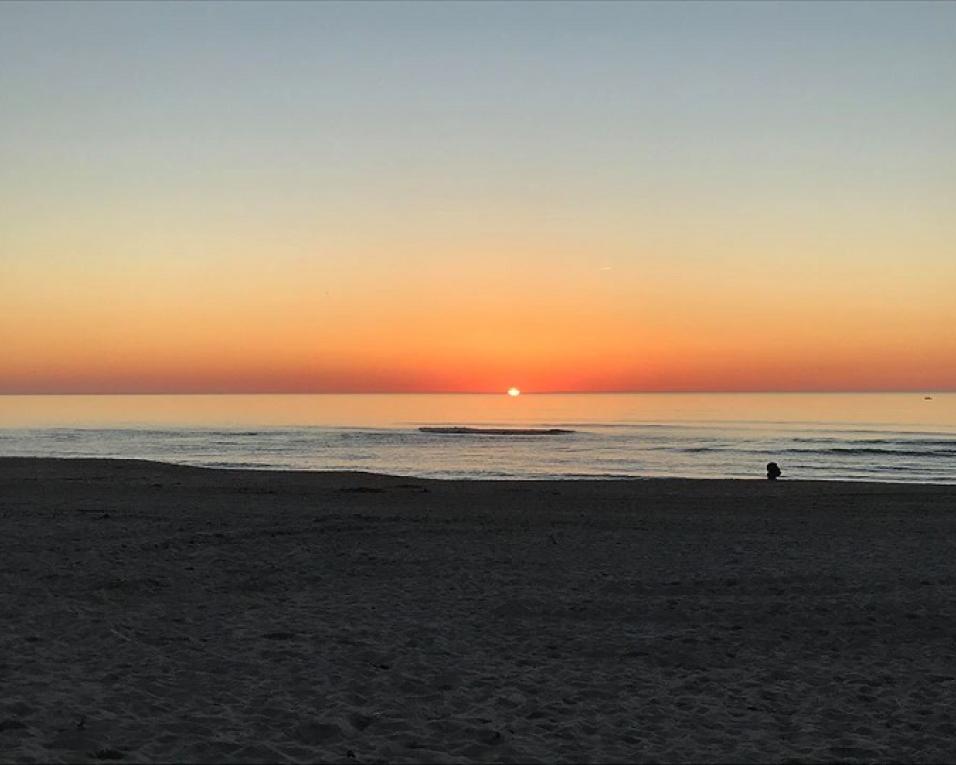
x=151 y=612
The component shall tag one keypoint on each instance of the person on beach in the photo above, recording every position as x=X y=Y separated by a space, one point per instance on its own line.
x=773 y=471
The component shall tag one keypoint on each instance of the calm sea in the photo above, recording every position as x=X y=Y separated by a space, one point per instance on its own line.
x=880 y=437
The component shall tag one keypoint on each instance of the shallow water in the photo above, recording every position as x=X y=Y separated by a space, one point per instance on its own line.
x=883 y=437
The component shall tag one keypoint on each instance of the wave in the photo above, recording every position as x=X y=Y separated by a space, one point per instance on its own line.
x=458 y=431
x=865 y=442
x=875 y=450
x=836 y=450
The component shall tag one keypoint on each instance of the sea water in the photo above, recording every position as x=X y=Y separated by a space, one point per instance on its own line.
x=906 y=437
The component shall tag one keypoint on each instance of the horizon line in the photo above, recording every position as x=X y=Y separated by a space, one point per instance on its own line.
x=479 y=392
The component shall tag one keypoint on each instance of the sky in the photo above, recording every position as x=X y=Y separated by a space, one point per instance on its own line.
x=415 y=197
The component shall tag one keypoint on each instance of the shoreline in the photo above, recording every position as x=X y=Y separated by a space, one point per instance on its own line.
x=152 y=612
x=566 y=479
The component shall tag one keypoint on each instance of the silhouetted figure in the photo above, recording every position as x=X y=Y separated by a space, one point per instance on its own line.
x=773 y=471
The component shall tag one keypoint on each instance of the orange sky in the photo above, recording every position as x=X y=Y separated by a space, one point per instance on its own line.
x=566 y=197
x=483 y=324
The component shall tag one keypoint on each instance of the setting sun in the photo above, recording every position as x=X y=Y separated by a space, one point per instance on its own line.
x=514 y=392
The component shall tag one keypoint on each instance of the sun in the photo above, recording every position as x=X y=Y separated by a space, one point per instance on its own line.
x=514 y=392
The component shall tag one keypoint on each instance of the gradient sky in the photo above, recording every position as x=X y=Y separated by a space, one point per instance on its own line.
x=464 y=197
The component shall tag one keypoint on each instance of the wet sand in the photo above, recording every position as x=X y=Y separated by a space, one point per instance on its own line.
x=158 y=613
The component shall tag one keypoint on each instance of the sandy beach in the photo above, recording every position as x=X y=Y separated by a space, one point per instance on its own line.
x=158 y=613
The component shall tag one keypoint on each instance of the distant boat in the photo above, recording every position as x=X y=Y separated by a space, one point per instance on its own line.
x=496 y=431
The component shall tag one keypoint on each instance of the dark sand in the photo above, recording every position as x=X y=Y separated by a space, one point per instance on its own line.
x=151 y=612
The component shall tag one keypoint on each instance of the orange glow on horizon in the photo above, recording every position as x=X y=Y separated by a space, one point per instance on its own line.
x=542 y=314
x=365 y=198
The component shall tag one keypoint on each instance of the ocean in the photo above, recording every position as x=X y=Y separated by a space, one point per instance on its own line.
x=892 y=437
